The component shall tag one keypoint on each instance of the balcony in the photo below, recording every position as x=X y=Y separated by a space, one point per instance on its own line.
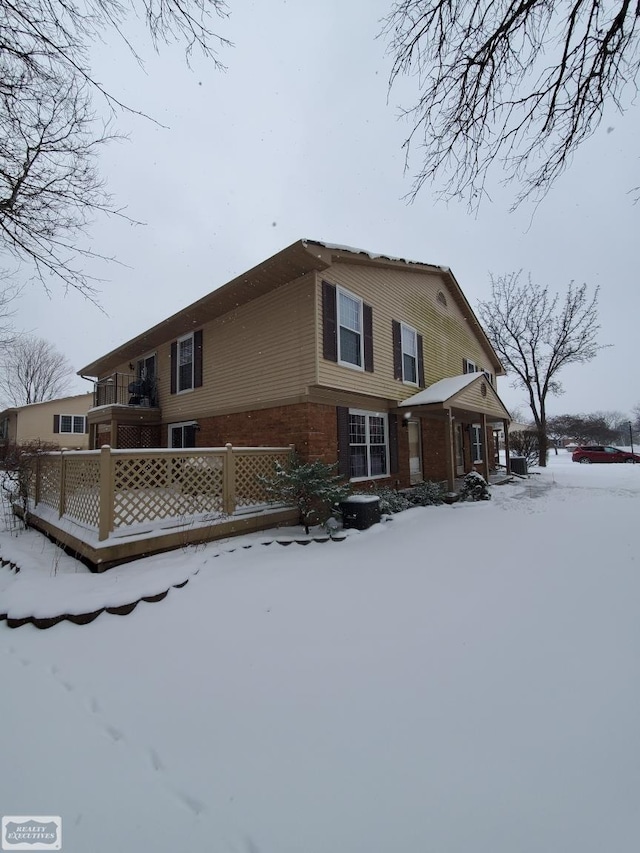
x=125 y=389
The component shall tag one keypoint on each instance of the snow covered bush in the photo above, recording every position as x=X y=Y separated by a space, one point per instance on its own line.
x=474 y=488
x=391 y=500
x=429 y=493
x=312 y=487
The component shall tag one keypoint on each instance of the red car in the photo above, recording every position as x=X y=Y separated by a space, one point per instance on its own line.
x=599 y=453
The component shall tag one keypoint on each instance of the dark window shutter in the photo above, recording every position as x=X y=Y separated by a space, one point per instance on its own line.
x=465 y=365
x=329 y=322
x=393 y=444
x=173 y=361
x=367 y=319
x=420 y=361
x=197 y=359
x=56 y=423
x=344 y=450
x=397 y=350
x=86 y=424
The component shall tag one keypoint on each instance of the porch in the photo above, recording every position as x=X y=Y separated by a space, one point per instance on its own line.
x=110 y=506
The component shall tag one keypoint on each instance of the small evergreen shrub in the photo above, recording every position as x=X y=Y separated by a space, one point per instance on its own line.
x=429 y=493
x=474 y=488
x=391 y=501
x=312 y=487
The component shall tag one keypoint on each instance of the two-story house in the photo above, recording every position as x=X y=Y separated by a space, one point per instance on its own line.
x=54 y=423
x=376 y=363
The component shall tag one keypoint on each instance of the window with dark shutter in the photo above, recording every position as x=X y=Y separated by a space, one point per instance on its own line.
x=197 y=359
x=344 y=451
x=172 y=366
x=329 y=322
x=394 y=465
x=420 y=362
x=367 y=321
x=397 y=350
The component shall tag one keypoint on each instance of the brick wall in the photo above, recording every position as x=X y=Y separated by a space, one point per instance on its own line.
x=311 y=427
x=434 y=449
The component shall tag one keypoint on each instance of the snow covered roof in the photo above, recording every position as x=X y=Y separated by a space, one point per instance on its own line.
x=441 y=391
x=374 y=256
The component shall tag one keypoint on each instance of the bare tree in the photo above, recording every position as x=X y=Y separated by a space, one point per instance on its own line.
x=537 y=334
x=516 y=85
x=49 y=137
x=33 y=371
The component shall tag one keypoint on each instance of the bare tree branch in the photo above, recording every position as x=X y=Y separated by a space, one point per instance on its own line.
x=509 y=86
x=50 y=190
x=33 y=371
x=537 y=334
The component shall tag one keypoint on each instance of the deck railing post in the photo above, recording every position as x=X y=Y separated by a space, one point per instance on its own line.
x=229 y=481
x=106 y=493
x=63 y=486
x=36 y=490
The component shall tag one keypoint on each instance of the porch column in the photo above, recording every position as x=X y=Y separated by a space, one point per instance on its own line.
x=113 y=436
x=485 y=461
x=451 y=449
x=505 y=427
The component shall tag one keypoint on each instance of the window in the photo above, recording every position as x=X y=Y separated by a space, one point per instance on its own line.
x=185 y=364
x=469 y=366
x=368 y=445
x=409 y=355
x=73 y=424
x=489 y=375
x=350 y=329
x=183 y=435
x=476 y=442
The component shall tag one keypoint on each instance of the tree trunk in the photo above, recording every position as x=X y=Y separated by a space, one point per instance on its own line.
x=543 y=445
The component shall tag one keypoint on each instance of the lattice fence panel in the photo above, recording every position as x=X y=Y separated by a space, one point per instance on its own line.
x=151 y=488
x=82 y=489
x=50 y=481
x=250 y=466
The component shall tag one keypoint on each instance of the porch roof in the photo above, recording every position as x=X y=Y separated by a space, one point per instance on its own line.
x=469 y=392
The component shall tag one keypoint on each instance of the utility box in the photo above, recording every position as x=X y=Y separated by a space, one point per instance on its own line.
x=519 y=465
x=360 y=511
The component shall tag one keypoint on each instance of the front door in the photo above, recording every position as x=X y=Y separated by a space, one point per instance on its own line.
x=459 y=450
x=415 y=455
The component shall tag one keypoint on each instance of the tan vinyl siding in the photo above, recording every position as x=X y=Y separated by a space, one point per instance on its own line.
x=411 y=298
x=35 y=422
x=471 y=398
x=264 y=351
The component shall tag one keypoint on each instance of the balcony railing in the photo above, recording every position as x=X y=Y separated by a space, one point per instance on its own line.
x=125 y=389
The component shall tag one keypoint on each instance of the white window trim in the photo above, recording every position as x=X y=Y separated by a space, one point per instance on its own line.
x=357 y=299
x=73 y=431
x=385 y=419
x=477 y=431
x=471 y=366
x=181 y=425
x=193 y=363
x=404 y=326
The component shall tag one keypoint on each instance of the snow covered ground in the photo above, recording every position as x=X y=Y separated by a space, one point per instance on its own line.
x=461 y=678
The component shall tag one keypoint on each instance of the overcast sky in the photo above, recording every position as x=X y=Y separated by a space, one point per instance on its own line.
x=299 y=139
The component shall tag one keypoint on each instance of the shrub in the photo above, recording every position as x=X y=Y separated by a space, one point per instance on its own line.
x=429 y=493
x=312 y=487
x=391 y=501
x=474 y=488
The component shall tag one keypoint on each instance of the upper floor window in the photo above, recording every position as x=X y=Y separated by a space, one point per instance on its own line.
x=186 y=362
x=469 y=366
x=347 y=328
x=409 y=340
x=72 y=424
x=350 y=329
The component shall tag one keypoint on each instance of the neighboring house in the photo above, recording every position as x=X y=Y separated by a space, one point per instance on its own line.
x=59 y=423
x=377 y=363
